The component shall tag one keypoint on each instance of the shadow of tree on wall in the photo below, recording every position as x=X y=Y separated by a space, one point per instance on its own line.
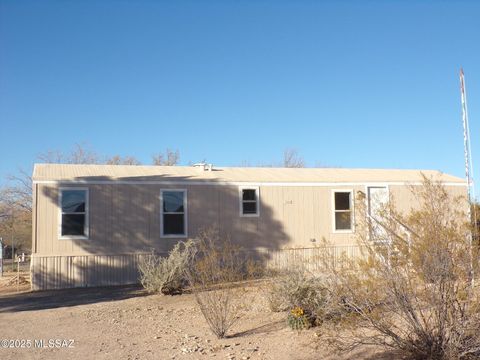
x=124 y=219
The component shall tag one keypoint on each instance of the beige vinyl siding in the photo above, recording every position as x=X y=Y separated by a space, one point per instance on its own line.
x=56 y=272
x=124 y=222
x=126 y=218
x=34 y=218
x=406 y=201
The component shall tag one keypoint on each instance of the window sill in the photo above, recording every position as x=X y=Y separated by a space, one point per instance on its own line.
x=343 y=232
x=179 y=236
x=249 y=215
x=73 y=237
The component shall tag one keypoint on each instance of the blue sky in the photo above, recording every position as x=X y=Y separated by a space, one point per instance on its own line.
x=349 y=84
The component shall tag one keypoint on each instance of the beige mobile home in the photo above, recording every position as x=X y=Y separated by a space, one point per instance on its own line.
x=91 y=223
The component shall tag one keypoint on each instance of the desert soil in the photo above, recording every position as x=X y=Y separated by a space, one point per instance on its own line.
x=128 y=323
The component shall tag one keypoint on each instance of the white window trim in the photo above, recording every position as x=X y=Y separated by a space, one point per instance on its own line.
x=86 y=229
x=240 y=200
x=352 y=210
x=185 y=214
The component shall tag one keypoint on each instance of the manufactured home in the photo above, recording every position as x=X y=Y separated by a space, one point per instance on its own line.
x=92 y=223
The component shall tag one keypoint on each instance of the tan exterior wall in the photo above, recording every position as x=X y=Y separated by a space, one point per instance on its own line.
x=125 y=219
x=57 y=272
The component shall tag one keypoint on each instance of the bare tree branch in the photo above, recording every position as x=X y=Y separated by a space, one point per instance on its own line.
x=170 y=158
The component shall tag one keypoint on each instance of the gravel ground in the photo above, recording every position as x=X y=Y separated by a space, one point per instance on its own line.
x=127 y=323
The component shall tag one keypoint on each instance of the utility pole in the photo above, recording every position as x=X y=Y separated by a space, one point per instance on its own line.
x=468 y=171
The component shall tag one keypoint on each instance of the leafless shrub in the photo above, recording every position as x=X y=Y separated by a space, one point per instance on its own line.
x=254 y=269
x=218 y=265
x=412 y=290
x=167 y=274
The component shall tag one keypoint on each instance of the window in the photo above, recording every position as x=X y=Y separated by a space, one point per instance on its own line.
x=173 y=213
x=249 y=202
x=342 y=202
x=74 y=213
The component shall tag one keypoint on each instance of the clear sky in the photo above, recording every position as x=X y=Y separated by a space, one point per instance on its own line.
x=349 y=84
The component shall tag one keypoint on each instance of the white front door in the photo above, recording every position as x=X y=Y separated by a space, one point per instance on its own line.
x=377 y=200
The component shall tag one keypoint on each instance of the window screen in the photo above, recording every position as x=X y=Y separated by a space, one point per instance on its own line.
x=343 y=210
x=74 y=212
x=173 y=213
x=249 y=202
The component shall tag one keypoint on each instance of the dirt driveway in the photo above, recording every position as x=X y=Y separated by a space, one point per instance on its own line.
x=126 y=323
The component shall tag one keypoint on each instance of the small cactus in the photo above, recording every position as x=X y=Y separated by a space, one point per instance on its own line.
x=299 y=319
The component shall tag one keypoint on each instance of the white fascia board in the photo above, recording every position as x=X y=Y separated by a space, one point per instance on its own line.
x=234 y=183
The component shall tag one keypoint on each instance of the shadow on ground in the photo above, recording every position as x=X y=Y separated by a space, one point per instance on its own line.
x=42 y=300
x=380 y=355
x=264 y=329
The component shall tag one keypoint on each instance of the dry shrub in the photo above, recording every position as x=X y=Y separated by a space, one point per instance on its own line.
x=295 y=288
x=412 y=290
x=217 y=265
x=300 y=292
x=254 y=269
x=167 y=274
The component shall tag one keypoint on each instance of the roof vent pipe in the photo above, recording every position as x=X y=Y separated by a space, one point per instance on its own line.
x=204 y=166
